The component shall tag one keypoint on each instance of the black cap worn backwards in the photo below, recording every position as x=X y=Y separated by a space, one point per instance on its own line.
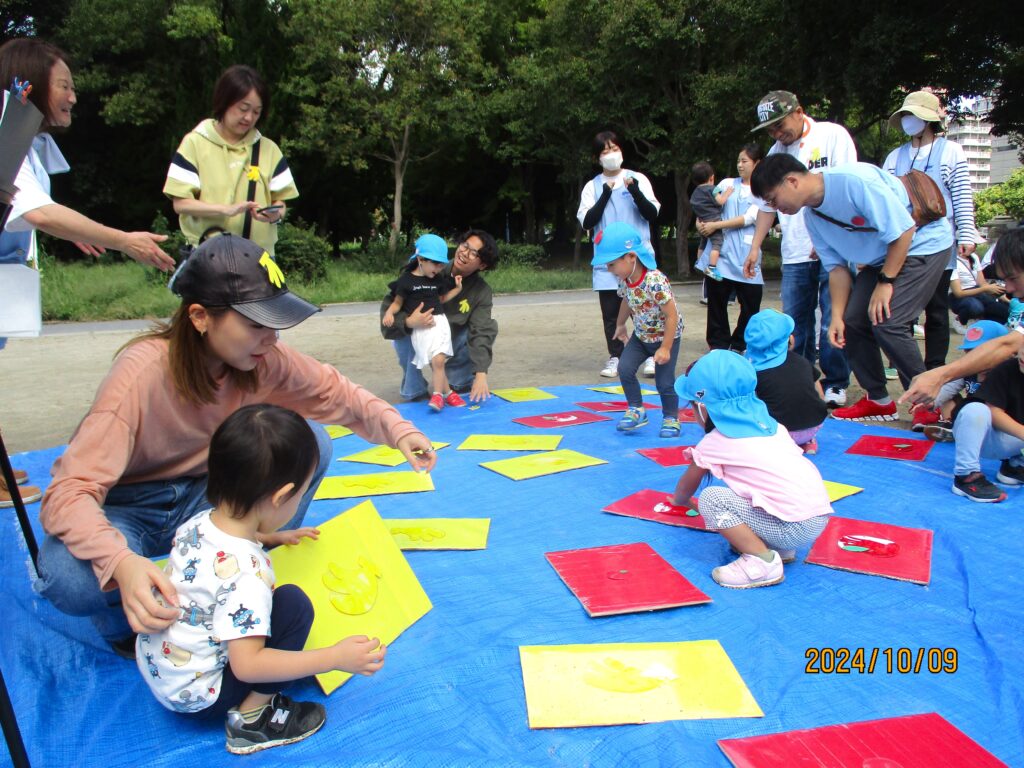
x=231 y=271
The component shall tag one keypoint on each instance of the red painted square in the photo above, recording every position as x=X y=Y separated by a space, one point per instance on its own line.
x=613 y=406
x=686 y=416
x=558 y=420
x=891 y=447
x=673 y=456
x=878 y=549
x=914 y=741
x=657 y=506
x=623 y=578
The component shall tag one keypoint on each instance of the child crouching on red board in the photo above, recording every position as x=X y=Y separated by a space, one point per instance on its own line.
x=774 y=500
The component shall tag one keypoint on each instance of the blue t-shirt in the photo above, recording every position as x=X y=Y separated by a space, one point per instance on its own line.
x=864 y=195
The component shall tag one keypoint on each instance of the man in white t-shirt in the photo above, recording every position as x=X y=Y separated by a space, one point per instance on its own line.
x=804 y=282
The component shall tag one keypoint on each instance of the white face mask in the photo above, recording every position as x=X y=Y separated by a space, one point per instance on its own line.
x=611 y=161
x=912 y=124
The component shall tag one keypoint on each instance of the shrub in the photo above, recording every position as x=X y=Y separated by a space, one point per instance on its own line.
x=302 y=253
x=520 y=254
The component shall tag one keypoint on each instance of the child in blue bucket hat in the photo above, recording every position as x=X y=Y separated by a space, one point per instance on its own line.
x=786 y=382
x=774 y=500
x=421 y=283
x=657 y=325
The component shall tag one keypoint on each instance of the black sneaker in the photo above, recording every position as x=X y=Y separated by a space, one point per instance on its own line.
x=977 y=487
x=125 y=647
x=1009 y=474
x=282 y=721
x=940 y=431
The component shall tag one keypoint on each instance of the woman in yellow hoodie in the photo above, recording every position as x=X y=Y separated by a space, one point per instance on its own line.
x=225 y=174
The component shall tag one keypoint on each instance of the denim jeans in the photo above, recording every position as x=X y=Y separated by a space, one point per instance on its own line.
x=804 y=288
x=980 y=307
x=459 y=367
x=976 y=438
x=147 y=514
x=633 y=356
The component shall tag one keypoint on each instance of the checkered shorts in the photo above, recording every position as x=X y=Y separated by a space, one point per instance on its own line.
x=723 y=508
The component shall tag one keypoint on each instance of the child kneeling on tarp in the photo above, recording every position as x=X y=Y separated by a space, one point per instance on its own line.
x=774 y=500
x=238 y=639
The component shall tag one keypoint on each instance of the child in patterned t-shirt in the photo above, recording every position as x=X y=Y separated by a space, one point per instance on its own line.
x=657 y=326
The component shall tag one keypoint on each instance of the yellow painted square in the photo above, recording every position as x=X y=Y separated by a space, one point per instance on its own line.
x=837 y=491
x=616 y=683
x=358 y=581
x=439 y=532
x=618 y=390
x=539 y=464
x=383 y=455
x=522 y=394
x=335 y=431
x=510 y=443
x=379 y=484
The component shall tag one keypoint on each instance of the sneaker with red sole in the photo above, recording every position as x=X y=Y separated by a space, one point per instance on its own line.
x=923 y=417
x=436 y=403
x=977 y=487
x=867 y=410
x=454 y=400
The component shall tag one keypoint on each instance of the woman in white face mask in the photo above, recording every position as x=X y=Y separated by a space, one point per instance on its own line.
x=921 y=118
x=615 y=194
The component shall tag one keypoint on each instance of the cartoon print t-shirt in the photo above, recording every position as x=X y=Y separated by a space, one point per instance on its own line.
x=646 y=297
x=225 y=591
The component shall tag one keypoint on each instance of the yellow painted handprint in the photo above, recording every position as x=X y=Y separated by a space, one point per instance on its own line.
x=274 y=273
x=418 y=533
x=353 y=590
x=612 y=675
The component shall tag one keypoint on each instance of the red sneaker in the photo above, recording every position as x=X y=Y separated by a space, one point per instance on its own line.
x=868 y=410
x=922 y=417
x=454 y=400
x=810 y=447
x=436 y=403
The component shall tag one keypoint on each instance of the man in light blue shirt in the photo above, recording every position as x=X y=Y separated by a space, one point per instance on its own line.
x=858 y=214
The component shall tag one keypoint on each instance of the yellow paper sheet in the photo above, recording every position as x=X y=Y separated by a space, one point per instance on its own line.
x=510 y=443
x=615 y=683
x=349 y=486
x=439 y=532
x=358 y=581
x=837 y=491
x=522 y=394
x=617 y=390
x=383 y=455
x=336 y=431
x=538 y=464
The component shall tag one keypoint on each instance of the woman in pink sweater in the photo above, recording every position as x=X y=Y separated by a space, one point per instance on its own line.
x=135 y=468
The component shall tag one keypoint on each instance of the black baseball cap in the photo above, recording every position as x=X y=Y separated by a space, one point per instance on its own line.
x=232 y=271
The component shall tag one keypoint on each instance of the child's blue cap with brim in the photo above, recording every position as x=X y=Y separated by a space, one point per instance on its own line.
x=980 y=332
x=725 y=384
x=767 y=336
x=618 y=239
x=431 y=247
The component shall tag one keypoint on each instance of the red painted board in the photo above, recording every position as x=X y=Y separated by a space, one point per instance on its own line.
x=914 y=741
x=623 y=578
x=657 y=506
x=891 y=447
x=878 y=549
x=686 y=416
x=558 y=420
x=673 y=456
x=612 y=406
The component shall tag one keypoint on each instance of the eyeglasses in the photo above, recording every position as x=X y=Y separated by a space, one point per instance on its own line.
x=469 y=251
x=770 y=201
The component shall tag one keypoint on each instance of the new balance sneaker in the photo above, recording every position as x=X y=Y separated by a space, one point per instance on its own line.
x=811 y=447
x=611 y=368
x=977 y=487
x=835 y=397
x=454 y=400
x=891 y=374
x=1009 y=474
x=669 y=427
x=867 y=410
x=750 y=571
x=940 y=431
x=436 y=402
x=633 y=418
x=923 y=417
x=649 y=368
x=282 y=721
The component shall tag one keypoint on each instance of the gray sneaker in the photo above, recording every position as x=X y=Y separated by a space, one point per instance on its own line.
x=282 y=721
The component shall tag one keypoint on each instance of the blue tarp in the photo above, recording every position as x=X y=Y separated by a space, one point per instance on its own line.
x=451 y=692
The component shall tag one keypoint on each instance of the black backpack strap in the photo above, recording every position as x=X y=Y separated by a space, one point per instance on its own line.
x=841 y=224
x=251 y=194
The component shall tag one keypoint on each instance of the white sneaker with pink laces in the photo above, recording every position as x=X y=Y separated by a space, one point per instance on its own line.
x=750 y=571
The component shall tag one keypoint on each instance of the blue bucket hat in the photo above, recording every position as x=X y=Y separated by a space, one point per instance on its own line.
x=618 y=239
x=724 y=383
x=431 y=247
x=980 y=332
x=767 y=336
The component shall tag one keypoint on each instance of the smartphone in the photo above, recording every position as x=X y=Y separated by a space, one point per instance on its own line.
x=269 y=208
